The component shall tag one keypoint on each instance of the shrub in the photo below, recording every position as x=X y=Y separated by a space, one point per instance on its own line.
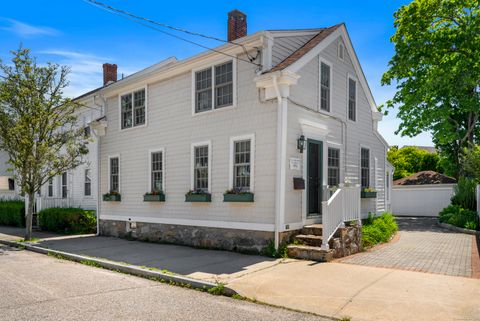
x=12 y=213
x=378 y=229
x=67 y=220
x=458 y=216
x=465 y=194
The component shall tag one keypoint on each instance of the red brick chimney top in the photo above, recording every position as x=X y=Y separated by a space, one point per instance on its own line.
x=237 y=25
x=109 y=73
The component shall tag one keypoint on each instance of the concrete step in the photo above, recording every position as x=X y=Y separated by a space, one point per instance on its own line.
x=310 y=239
x=306 y=252
x=313 y=229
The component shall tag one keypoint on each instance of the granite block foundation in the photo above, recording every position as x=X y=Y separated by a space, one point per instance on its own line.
x=245 y=241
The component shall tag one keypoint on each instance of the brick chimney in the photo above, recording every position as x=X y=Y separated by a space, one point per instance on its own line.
x=109 y=73
x=237 y=25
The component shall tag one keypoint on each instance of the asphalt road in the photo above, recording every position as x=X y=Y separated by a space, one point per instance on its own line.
x=35 y=287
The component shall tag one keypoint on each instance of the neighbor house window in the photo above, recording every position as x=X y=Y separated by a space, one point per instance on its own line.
x=365 y=167
x=333 y=166
x=64 y=185
x=132 y=107
x=11 y=184
x=114 y=175
x=50 y=187
x=214 y=87
x=156 y=175
x=325 y=84
x=200 y=168
x=352 y=99
x=88 y=183
x=242 y=165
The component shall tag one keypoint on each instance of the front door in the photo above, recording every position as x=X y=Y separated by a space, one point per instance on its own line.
x=315 y=179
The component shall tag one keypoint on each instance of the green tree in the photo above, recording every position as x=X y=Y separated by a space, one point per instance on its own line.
x=471 y=162
x=37 y=125
x=436 y=69
x=410 y=159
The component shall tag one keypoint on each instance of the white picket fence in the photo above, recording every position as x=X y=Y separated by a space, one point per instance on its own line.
x=342 y=206
x=58 y=202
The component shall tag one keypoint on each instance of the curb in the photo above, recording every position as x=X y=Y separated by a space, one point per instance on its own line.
x=129 y=269
x=458 y=229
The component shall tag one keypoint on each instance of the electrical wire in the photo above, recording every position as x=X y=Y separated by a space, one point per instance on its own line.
x=141 y=20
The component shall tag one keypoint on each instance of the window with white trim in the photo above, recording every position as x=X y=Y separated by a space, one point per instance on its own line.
x=132 y=107
x=50 y=188
x=352 y=99
x=87 y=187
x=64 y=185
x=333 y=166
x=156 y=175
x=214 y=87
x=200 y=168
x=325 y=84
x=341 y=51
x=242 y=165
x=365 y=167
x=114 y=175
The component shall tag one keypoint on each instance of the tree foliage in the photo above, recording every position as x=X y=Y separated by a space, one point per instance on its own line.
x=410 y=160
x=37 y=124
x=471 y=163
x=436 y=69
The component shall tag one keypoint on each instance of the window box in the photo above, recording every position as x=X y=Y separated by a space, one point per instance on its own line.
x=368 y=194
x=154 y=197
x=198 y=197
x=238 y=197
x=112 y=197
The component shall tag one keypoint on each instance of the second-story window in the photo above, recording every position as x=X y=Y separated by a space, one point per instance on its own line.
x=352 y=99
x=133 y=109
x=325 y=84
x=214 y=87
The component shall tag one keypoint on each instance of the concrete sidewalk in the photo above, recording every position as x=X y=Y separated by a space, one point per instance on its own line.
x=330 y=289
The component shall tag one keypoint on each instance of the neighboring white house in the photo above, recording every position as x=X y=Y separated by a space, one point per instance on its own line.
x=7 y=184
x=257 y=114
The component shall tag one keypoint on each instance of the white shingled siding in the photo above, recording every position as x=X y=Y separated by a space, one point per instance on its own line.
x=358 y=134
x=284 y=46
x=171 y=126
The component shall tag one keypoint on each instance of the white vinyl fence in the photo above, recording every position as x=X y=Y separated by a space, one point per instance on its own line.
x=420 y=200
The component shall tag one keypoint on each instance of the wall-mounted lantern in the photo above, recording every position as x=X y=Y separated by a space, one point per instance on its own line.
x=301 y=143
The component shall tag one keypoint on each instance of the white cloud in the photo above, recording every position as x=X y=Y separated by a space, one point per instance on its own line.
x=26 y=30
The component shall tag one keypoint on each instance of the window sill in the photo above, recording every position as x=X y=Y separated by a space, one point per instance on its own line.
x=207 y=112
x=132 y=128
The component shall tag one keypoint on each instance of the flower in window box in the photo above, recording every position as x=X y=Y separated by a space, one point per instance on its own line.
x=238 y=195
x=112 y=196
x=368 y=192
x=154 y=196
x=198 y=195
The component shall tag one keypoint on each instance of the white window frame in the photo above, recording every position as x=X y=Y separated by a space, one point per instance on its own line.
x=192 y=163
x=360 y=165
x=339 y=148
x=119 y=173
x=150 y=152
x=330 y=106
x=66 y=185
x=233 y=139
x=341 y=45
x=53 y=187
x=85 y=181
x=234 y=86
x=349 y=76
x=131 y=91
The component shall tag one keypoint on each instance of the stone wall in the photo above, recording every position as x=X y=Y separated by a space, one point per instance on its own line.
x=245 y=241
x=346 y=241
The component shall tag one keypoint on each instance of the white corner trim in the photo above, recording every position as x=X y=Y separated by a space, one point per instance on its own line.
x=192 y=163
x=234 y=139
x=149 y=166
x=189 y=222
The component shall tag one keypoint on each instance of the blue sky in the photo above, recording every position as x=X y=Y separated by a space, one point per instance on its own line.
x=82 y=36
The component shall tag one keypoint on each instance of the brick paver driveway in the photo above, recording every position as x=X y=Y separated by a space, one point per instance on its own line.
x=423 y=246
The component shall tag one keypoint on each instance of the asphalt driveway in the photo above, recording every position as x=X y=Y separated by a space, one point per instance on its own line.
x=423 y=246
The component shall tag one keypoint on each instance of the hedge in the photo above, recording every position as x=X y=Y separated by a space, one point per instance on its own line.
x=377 y=230
x=67 y=220
x=458 y=216
x=12 y=213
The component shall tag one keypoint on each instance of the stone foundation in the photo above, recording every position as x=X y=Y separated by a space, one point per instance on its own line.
x=346 y=241
x=245 y=241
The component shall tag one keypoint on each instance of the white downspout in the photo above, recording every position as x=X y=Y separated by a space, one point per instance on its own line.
x=281 y=155
x=102 y=112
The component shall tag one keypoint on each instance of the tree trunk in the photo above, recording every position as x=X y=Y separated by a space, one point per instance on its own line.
x=29 y=217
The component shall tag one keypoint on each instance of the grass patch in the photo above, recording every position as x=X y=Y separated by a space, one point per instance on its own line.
x=32 y=240
x=377 y=230
x=219 y=289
